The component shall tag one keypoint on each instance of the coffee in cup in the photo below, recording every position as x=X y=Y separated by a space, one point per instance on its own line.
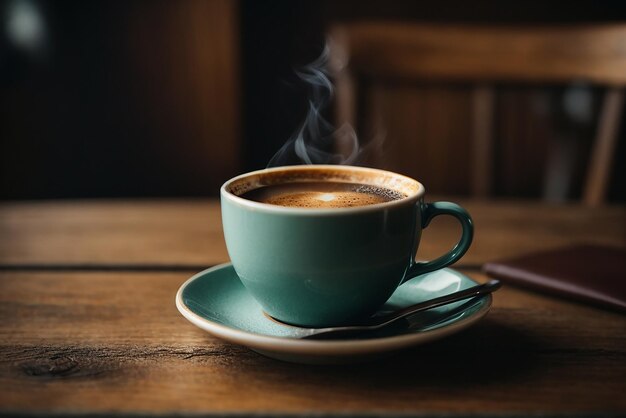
x=327 y=245
x=322 y=194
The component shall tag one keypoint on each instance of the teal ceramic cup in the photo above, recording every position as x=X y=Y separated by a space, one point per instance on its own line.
x=324 y=267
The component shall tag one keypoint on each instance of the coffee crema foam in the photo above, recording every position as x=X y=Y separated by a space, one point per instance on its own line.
x=324 y=194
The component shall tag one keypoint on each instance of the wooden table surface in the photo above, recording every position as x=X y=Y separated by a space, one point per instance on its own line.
x=89 y=327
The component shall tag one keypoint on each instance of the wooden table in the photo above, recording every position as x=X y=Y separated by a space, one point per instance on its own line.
x=88 y=324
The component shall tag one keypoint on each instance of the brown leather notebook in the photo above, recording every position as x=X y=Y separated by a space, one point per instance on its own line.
x=587 y=273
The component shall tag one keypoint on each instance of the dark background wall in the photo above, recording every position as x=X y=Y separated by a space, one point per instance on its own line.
x=119 y=99
x=156 y=98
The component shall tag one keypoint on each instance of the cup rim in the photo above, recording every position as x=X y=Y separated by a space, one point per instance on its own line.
x=266 y=207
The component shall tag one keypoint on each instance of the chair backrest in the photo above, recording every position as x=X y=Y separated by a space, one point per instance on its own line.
x=364 y=54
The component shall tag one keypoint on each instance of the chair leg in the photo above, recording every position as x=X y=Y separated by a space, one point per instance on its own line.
x=482 y=165
x=604 y=146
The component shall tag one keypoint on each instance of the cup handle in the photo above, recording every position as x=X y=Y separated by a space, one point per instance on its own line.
x=429 y=211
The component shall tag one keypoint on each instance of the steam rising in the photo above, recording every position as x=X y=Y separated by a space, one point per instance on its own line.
x=317 y=138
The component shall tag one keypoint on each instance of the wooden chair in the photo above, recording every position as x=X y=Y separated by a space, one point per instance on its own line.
x=363 y=54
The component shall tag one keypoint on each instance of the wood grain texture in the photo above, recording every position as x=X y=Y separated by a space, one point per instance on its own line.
x=430 y=135
x=426 y=127
x=605 y=145
x=189 y=233
x=483 y=144
x=112 y=232
x=114 y=343
x=193 y=97
x=486 y=53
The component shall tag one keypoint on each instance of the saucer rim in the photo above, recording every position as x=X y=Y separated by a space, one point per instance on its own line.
x=319 y=347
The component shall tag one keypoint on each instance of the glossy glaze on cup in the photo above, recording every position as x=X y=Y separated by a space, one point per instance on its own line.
x=320 y=267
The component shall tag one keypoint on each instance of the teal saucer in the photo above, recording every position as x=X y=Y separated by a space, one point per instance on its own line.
x=216 y=301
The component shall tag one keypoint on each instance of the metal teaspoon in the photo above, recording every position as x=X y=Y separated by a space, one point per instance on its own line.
x=376 y=323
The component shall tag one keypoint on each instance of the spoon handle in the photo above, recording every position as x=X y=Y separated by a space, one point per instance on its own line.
x=483 y=289
x=382 y=321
